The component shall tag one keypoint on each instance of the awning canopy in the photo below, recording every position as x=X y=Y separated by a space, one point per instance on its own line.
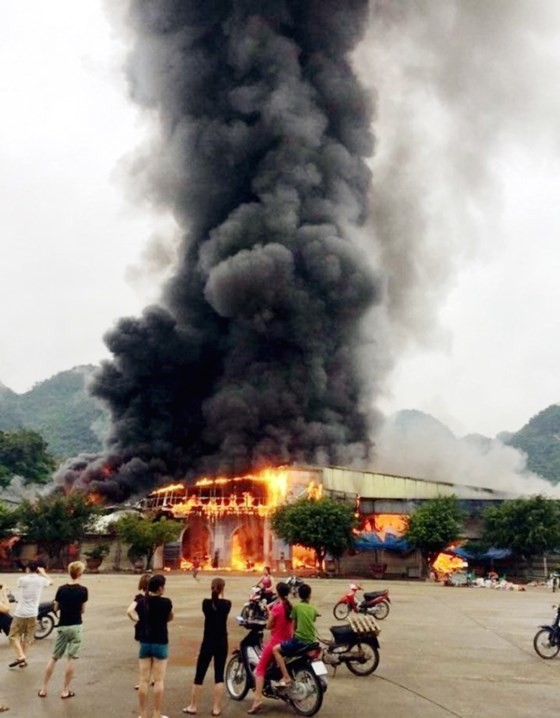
x=369 y=540
x=473 y=555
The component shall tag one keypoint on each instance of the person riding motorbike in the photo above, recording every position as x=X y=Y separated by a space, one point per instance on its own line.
x=304 y=616
x=280 y=625
x=266 y=582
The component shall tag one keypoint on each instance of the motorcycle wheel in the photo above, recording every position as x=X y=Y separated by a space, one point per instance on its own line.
x=341 y=611
x=380 y=611
x=363 y=660
x=237 y=681
x=306 y=692
x=44 y=627
x=546 y=643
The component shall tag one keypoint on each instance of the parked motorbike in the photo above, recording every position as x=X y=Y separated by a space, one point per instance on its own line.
x=373 y=603
x=547 y=639
x=256 y=607
x=46 y=618
x=359 y=652
x=294 y=582
x=308 y=672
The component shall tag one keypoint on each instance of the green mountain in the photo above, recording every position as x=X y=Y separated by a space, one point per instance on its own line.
x=72 y=422
x=60 y=409
x=540 y=440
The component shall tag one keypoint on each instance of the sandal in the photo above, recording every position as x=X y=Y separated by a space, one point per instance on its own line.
x=70 y=694
x=255 y=709
x=4 y=708
x=189 y=711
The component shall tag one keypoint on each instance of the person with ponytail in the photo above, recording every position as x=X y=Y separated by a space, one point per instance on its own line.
x=214 y=646
x=281 y=628
x=152 y=611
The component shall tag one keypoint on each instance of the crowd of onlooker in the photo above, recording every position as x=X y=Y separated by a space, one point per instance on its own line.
x=151 y=611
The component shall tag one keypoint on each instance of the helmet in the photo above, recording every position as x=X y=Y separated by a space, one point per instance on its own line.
x=354 y=587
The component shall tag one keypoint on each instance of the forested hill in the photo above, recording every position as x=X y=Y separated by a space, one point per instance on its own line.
x=540 y=440
x=60 y=409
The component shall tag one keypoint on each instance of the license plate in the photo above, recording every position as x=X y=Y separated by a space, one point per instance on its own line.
x=319 y=668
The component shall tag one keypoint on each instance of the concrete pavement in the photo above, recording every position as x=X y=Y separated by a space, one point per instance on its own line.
x=444 y=652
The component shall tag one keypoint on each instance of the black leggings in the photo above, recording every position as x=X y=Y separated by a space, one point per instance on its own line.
x=219 y=654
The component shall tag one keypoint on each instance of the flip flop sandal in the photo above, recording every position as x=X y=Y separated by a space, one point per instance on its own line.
x=70 y=694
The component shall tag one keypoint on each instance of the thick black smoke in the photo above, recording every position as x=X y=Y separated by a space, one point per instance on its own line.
x=254 y=355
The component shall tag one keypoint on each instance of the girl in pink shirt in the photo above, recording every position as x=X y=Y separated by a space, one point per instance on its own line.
x=281 y=628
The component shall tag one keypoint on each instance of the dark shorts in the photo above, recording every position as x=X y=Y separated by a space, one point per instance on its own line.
x=159 y=651
x=292 y=645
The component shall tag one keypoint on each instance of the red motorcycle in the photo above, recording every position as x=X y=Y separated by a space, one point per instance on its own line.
x=373 y=603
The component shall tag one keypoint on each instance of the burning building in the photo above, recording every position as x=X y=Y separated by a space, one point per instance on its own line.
x=227 y=519
x=272 y=336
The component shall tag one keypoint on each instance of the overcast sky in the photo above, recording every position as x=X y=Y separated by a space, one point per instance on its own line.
x=77 y=253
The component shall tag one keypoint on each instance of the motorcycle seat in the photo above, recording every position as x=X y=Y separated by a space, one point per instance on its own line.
x=374 y=594
x=303 y=650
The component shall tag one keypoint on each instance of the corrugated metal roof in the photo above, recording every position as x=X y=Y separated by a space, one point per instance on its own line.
x=372 y=484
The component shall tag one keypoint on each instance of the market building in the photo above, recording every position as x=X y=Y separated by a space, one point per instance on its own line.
x=227 y=520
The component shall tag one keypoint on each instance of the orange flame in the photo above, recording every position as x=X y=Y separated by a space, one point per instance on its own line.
x=249 y=495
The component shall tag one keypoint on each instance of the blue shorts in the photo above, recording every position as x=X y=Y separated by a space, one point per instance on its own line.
x=292 y=645
x=159 y=651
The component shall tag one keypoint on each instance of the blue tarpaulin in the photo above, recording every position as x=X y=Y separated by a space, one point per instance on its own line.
x=369 y=540
x=491 y=553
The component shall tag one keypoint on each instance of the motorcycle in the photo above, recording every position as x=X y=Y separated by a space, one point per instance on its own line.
x=373 y=603
x=547 y=639
x=294 y=582
x=357 y=647
x=46 y=617
x=256 y=608
x=308 y=672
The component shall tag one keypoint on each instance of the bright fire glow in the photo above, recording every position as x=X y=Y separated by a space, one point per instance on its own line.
x=383 y=524
x=445 y=564
x=302 y=557
x=250 y=495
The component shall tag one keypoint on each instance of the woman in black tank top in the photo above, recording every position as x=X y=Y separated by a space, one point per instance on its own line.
x=214 y=646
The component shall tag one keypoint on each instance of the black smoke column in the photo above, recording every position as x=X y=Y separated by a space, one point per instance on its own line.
x=253 y=357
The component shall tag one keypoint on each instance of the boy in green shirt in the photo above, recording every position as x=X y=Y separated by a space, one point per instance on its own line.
x=303 y=615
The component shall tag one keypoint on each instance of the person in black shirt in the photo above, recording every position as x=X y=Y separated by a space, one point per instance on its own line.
x=214 y=645
x=152 y=612
x=69 y=600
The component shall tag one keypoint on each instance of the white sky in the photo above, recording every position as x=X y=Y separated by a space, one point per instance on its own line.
x=70 y=237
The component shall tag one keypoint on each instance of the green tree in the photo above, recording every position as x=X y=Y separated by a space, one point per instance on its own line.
x=54 y=522
x=324 y=525
x=528 y=527
x=433 y=526
x=8 y=520
x=145 y=535
x=24 y=453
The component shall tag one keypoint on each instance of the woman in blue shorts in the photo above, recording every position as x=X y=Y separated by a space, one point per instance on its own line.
x=152 y=612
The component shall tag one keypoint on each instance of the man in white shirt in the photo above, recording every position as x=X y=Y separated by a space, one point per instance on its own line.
x=25 y=615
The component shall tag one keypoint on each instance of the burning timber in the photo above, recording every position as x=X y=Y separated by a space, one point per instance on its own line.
x=228 y=519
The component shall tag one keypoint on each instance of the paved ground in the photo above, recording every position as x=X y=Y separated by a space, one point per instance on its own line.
x=444 y=652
